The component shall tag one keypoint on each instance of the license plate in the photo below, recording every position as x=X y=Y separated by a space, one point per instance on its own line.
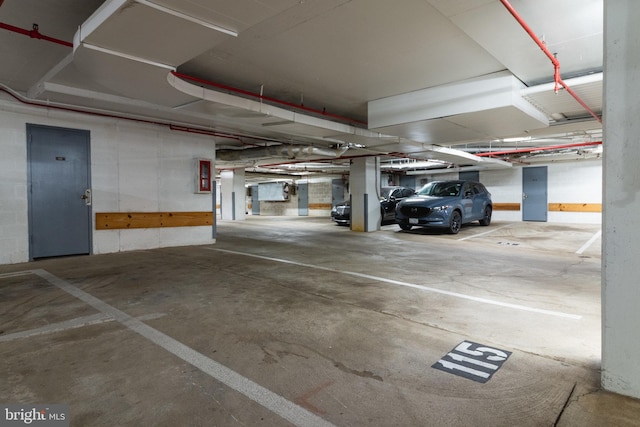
x=413 y=220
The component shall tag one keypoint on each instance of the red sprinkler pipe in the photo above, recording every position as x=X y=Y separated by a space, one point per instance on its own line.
x=34 y=33
x=171 y=126
x=264 y=98
x=556 y=64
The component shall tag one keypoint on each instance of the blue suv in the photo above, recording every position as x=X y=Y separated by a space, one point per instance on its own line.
x=446 y=204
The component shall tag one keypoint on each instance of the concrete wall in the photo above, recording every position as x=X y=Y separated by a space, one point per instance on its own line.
x=621 y=230
x=567 y=182
x=320 y=195
x=232 y=195
x=14 y=227
x=135 y=167
x=319 y=199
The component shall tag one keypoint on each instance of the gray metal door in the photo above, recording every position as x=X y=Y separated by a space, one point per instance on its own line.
x=469 y=175
x=337 y=192
x=534 y=194
x=255 y=201
x=408 y=181
x=59 y=191
x=303 y=199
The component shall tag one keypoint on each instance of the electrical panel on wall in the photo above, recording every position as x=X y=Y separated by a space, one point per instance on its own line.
x=274 y=191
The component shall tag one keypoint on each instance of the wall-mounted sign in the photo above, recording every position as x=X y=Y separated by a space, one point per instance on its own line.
x=473 y=361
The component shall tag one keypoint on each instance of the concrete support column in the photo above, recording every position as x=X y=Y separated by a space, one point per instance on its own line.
x=621 y=199
x=232 y=194
x=364 y=185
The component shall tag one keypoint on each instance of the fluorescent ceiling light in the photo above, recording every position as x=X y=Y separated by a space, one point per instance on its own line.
x=187 y=17
x=127 y=56
x=517 y=139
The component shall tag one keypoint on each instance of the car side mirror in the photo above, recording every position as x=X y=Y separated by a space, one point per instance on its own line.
x=392 y=198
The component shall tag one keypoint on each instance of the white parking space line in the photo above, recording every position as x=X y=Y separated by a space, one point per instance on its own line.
x=78 y=322
x=589 y=242
x=15 y=274
x=410 y=285
x=275 y=403
x=484 y=233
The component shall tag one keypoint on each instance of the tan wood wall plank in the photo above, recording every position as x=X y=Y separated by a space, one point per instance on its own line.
x=575 y=207
x=124 y=220
x=506 y=206
x=319 y=206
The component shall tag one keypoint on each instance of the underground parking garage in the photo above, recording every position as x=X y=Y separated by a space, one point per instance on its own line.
x=141 y=284
x=299 y=321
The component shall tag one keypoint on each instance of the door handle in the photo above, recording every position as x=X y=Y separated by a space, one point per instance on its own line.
x=87 y=197
x=524 y=196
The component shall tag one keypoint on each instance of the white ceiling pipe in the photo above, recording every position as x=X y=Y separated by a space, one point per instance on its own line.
x=280 y=151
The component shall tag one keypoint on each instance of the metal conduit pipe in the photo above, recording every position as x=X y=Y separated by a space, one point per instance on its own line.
x=536 y=149
x=556 y=64
x=72 y=109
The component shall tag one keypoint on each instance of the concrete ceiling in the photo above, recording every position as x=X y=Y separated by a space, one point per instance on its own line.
x=373 y=77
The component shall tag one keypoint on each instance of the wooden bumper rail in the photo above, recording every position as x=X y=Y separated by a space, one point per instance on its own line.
x=124 y=220
x=553 y=207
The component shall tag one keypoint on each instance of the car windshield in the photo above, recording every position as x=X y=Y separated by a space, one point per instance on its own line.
x=384 y=193
x=441 y=189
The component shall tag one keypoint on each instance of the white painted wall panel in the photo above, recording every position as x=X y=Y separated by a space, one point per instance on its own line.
x=13 y=190
x=505 y=186
x=575 y=182
x=134 y=167
x=568 y=182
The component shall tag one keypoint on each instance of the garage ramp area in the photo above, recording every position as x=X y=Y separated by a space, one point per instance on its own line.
x=297 y=321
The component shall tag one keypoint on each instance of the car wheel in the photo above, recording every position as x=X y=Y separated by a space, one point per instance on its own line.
x=486 y=220
x=455 y=222
x=406 y=227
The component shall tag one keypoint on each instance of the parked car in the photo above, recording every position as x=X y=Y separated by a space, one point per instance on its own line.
x=389 y=198
x=446 y=204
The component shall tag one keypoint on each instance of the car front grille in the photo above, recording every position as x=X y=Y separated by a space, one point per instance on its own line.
x=415 y=211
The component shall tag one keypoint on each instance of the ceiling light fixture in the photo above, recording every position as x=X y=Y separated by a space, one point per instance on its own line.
x=188 y=17
x=517 y=139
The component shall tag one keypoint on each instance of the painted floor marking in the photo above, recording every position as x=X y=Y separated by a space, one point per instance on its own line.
x=14 y=274
x=273 y=402
x=589 y=242
x=78 y=322
x=409 y=285
x=473 y=361
x=484 y=233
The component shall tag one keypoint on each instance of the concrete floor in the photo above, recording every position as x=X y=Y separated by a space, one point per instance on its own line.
x=296 y=321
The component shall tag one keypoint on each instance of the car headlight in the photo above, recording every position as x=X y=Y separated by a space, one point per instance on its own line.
x=441 y=208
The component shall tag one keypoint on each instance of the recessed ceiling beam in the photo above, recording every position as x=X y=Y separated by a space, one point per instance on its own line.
x=127 y=56
x=187 y=17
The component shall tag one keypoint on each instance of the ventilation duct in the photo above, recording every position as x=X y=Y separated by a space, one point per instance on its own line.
x=280 y=151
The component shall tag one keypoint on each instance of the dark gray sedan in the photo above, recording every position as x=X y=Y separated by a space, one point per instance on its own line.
x=446 y=204
x=389 y=197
